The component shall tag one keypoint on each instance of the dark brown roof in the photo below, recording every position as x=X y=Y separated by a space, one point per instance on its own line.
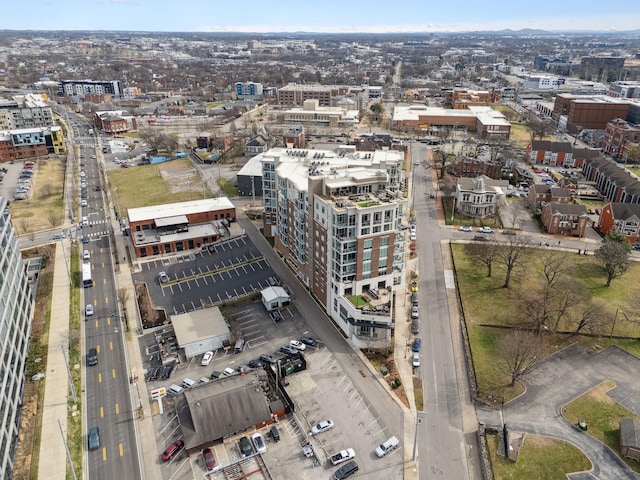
x=567 y=209
x=547 y=146
x=624 y=211
x=616 y=174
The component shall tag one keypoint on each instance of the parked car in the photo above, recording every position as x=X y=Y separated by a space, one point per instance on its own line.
x=414 y=286
x=415 y=360
x=417 y=343
x=245 y=447
x=206 y=358
x=265 y=357
x=415 y=326
x=415 y=312
x=322 y=427
x=465 y=228
x=312 y=342
x=88 y=310
x=297 y=344
x=485 y=230
x=93 y=438
x=172 y=450
x=415 y=298
x=255 y=363
x=209 y=461
x=163 y=277
x=346 y=470
x=288 y=350
x=481 y=238
x=83 y=202
x=258 y=442
x=342 y=456
x=508 y=232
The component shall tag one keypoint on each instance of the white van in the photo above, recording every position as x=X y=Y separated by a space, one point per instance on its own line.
x=188 y=383
x=387 y=446
x=175 y=390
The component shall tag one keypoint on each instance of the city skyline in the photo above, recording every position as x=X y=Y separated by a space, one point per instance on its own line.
x=375 y=16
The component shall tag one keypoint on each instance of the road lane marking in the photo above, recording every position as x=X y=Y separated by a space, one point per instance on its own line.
x=106 y=299
x=98 y=348
x=108 y=320
x=110 y=345
x=104 y=454
x=97 y=324
x=113 y=372
x=99 y=378
x=117 y=409
x=121 y=448
x=101 y=412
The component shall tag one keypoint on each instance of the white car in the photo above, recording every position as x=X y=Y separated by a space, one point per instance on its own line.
x=415 y=360
x=465 y=228
x=343 y=456
x=163 y=277
x=83 y=203
x=258 y=442
x=297 y=344
x=88 y=310
x=86 y=255
x=206 y=358
x=485 y=230
x=322 y=427
x=415 y=312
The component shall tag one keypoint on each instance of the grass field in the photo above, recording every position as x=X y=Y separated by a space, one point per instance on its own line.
x=169 y=182
x=488 y=308
x=44 y=208
x=602 y=415
x=540 y=458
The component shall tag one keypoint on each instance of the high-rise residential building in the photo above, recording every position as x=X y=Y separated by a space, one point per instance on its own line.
x=336 y=217
x=25 y=111
x=16 y=314
x=80 y=88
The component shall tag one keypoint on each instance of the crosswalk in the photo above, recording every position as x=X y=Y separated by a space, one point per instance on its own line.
x=95 y=229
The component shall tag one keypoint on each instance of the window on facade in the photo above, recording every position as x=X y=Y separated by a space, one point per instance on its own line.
x=368 y=243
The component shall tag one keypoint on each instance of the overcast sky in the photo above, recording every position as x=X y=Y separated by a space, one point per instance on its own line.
x=316 y=16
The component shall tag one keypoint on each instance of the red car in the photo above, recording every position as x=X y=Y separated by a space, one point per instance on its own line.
x=413 y=245
x=172 y=449
x=209 y=461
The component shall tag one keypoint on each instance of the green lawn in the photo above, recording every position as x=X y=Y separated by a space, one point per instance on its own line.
x=540 y=458
x=602 y=415
x=488 y=308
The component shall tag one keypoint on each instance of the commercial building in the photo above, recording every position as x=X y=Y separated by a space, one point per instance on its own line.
x=115 y=121
x=293 y=94
x=177 y=227
x=200 y=331
x=592 y=112
x=312 y=113
x=543 y=82
x=27 y=143
x=16 y=316
x=25 y=111
x=463 y=98
x=336 y=217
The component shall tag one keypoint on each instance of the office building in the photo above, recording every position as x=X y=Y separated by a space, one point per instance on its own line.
x=16 y=315
x=248 y=89
x=336 y=218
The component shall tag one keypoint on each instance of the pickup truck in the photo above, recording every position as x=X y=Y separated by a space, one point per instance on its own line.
x=343 y=456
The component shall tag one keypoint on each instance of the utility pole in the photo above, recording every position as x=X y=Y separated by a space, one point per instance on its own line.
x=66 y=363
x=66 y=449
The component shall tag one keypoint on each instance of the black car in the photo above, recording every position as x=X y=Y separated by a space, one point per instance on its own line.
x=85 y=239
x=415 y=326
x=245 y=447
x=265 y=357
x=312 y=342
x=255 y=363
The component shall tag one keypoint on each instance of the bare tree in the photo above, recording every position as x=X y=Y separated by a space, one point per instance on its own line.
x=513 y=255
x=520 y=349
x=614 y=256
x=54 y=219
x=482 y=253
x=25 y=225
x=591 y=318
x=123 y=296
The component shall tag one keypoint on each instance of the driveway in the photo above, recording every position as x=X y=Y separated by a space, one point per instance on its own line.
x=558 y=380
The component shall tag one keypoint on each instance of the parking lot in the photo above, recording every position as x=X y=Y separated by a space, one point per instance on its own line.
x=321 y=392
x=227 y=270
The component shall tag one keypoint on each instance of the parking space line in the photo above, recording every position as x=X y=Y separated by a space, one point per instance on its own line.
x=255 y=344
x=184 y=309
x=219 y=299
x=193 y=305
x=204 y=279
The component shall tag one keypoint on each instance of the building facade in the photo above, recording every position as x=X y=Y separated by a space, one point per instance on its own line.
x=623 y=218
x=16 y=316
x=80 y=88
x=480 y=196
x=248 y=89
x=336 y=219
x=294 y=94
x=565 y=219
x=25 y=111
x=177 y=227
x=312 y=113
x=618 y=136
x=614 y=182
x=30 y=143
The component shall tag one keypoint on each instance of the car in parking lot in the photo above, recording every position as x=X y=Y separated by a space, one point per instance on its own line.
x=163 y=277
x=485 y=230
x=209 y=460
x=245 y=447
x=206 y=358
x=417 y=343
x=346 y=471
x=465 y=228
x=258 y=442
x=265 y=357
x=172 y=450
x=321 y=427
x=288 y=350
x=88 y=310
x=312 y=342
x=415 y=360
x=297 y=344
x=415 y=312
x=342 y=456
x=255 y=363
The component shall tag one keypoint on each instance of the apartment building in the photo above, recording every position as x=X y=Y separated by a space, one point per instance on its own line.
x=16 y=316
x=25 y=111
x=294 y=94
x=81 y=88
x=248 y=89
x=26 y=143
x=619 y=136
x=336 y=217
x=623 y=218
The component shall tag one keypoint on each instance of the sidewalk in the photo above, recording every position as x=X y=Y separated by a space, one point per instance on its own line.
x=56 y=389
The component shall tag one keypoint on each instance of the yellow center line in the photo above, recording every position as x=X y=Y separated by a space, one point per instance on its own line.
x=104 y=281
x=97 y=324
x=117 y=409
x=101 y=412
x=121 y=449
x=99 y=378
x=110 y=345
x=104 y=454
x=106 y=300
x=113 y=372
x=98 y=348
x=108 y=320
